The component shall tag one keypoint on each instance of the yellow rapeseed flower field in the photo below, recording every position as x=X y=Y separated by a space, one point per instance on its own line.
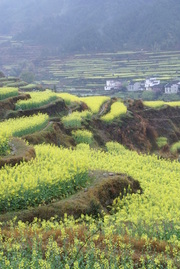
x=24 y=125
x=118 y=109
x=68 y=98
x=38 y=99
x=148 y=219
x=95 y=102
x=159 y=104
x=73 y=120
x=6 y=92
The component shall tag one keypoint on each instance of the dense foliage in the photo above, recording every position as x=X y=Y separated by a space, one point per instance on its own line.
x=4 y=142
x=75 y=119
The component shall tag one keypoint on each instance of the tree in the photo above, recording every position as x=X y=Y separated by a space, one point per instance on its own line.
x=27 y=77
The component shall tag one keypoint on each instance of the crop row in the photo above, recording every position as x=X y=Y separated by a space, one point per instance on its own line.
x=93 y=102
x=24 y=125
x=38 y=99
x=118 y=109
x=159 y=104
x=55 y=173
x=82 y=69
x=6 y=92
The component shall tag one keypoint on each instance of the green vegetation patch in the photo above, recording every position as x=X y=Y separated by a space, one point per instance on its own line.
x=175 y=147
x=83 y=136
x=75 y=119
x=4 y=142
x=161 y=141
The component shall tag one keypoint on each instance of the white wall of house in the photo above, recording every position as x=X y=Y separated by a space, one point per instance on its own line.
x=112 y=84
x=135 y=87
x=171 y=89
x=151 y=82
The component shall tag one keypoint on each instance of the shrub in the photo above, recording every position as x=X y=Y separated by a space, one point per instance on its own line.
x=161 y=141
x=74 y=120
x=175 y=147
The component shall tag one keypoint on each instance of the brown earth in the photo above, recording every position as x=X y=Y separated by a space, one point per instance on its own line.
x=51 y=109
x=9 y=104
x=54 y=133
x=140 y=128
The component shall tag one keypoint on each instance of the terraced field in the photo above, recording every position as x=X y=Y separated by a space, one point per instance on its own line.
x=95 y=203
x=90 y=71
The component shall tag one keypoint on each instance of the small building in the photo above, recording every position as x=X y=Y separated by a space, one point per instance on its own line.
x=172 y=87
x=151 y=82
x=137 y=86
x=157 y=88
x=113 y=85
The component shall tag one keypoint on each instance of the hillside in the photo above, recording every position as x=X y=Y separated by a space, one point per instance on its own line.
x=89 y=26
x=93 y=187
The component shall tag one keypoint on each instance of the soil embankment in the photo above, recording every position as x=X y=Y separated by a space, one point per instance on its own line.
x=93 y=200
x=140 y=128
x=20 y=152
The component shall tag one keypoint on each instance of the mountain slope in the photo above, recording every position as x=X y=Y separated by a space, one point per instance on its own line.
x=99 y=25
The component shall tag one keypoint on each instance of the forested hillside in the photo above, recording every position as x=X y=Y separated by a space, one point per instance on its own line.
x=103 y=25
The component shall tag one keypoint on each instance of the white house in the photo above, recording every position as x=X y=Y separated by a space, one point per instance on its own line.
x=150 y=82
x=112 y=85
x=172 y=87
x=137 y=86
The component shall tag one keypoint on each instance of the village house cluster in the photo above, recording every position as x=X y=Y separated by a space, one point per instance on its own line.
x=152 y=84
